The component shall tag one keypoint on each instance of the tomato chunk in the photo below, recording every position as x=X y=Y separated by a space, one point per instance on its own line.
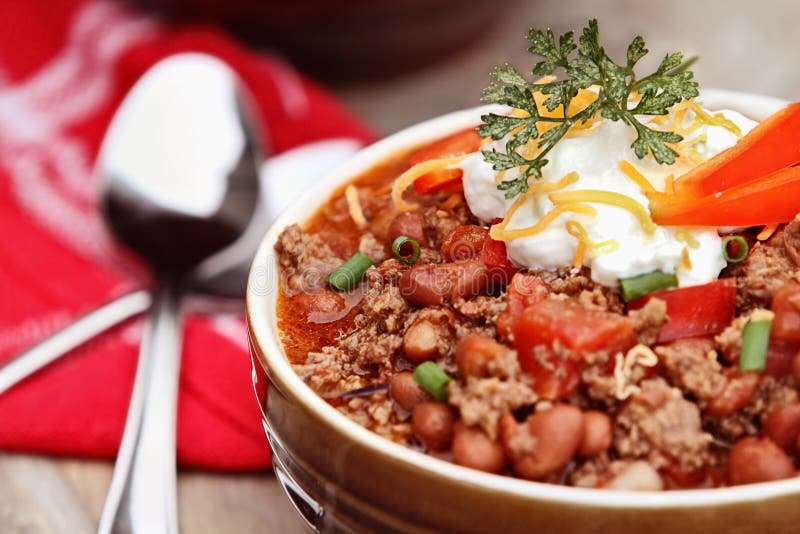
x=696 y=310
x=464 y=242
x=786 y=306
x=494 y=256
x=524 y=290
x=571 y=326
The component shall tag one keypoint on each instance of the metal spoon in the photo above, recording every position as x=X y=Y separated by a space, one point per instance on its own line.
x=181 y=182
x=224 y=274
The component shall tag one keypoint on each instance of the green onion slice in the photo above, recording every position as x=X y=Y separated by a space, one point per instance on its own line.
x=350 y=274
x=639 y=286
x=397 y=249
x=755 y=340
x=432 y=379
x=734 y=248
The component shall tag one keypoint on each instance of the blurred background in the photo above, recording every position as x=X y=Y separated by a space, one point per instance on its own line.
x=392 y=63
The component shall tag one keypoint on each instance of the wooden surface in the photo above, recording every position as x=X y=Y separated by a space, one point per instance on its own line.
x=743 y=45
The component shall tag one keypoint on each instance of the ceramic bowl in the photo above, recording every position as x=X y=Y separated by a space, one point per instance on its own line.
x=342 y=477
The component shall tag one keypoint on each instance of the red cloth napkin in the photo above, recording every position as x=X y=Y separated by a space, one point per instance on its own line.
x=64 y=67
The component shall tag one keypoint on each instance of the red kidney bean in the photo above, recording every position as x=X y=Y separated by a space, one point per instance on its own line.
x=473 y=448
x=735 y=395
x=405 y=391
x=475 y=352
x=435 y=284
x=315 y=301
x=555 y=436
x=757 y=460
x=796 y=368
x=464 y=242
x=596 y=435
x=432 y=424
x=782 y=426
x=410 y=224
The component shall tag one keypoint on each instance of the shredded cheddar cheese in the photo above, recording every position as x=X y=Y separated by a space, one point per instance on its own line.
x=607 y=197
x=405 y=180
x=685 y=236
x=767 y=232
x=354 y=206
x=576 y=230
x=499 y=232
x=637 y=177
x=686 y=260
x=641 y=355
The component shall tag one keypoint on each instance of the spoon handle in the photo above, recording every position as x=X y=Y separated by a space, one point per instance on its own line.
x=142 y=497
x=72 y=336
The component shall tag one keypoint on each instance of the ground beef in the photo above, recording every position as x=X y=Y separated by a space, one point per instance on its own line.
x=330 y=372
x=791 y=240
x=483 y=401
x=691 y=365
x=600 y=385
x=766 y=269
x=305 y=260
x=439 y=223
x=729 y=341
x=378 y=414
x=661 y=426
x=479 y=315
x=648 y=320
x=577 y=284
x=372 y=248
x=592 y=473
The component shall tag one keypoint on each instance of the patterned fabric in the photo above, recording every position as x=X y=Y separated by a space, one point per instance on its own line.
x=64 y=67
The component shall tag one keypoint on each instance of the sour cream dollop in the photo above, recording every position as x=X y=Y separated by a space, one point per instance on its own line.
x=596 y=157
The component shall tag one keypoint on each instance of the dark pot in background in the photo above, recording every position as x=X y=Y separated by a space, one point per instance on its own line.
x=344 y=40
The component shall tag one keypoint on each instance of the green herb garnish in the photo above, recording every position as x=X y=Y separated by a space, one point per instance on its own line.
x=584 y=64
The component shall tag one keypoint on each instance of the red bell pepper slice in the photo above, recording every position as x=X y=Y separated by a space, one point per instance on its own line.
x=695 y=310
x=771 y=199
x=770 y=146
x=464 y=142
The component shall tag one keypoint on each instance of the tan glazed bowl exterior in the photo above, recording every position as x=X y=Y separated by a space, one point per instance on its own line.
x=342 y=477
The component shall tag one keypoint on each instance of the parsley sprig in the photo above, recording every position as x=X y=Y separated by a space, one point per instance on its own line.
x=584 y=64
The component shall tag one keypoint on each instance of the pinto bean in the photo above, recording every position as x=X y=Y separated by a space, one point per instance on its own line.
x=410 y=224
x=429 y=336
x=435 y=284
x=638 y=476
x=432 y=424
x=464 y=242
x=405 y=391
x=596 y=435
x=735 y=395
x=473 y=448
x=545 y=442
x=475 y=352
x=782 y=426
x=757 y=460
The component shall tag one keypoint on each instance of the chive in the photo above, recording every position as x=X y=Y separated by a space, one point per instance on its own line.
x=348 y=275
x=432 y=379
x=739 y=246
x=755 y=340
x=397 y=249
x=639 y=286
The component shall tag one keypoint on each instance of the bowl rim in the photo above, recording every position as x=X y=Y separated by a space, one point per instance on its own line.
x=262 y=327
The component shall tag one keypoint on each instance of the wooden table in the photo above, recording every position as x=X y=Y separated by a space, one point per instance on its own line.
x=743 y=45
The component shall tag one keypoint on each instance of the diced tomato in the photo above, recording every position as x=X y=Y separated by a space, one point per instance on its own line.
x=463 y=142
x=573 y=327
x=494 y=256
x=786 y=306
x=437 y=181
x=695 y=310
x=464 y=242
x=523 y=291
